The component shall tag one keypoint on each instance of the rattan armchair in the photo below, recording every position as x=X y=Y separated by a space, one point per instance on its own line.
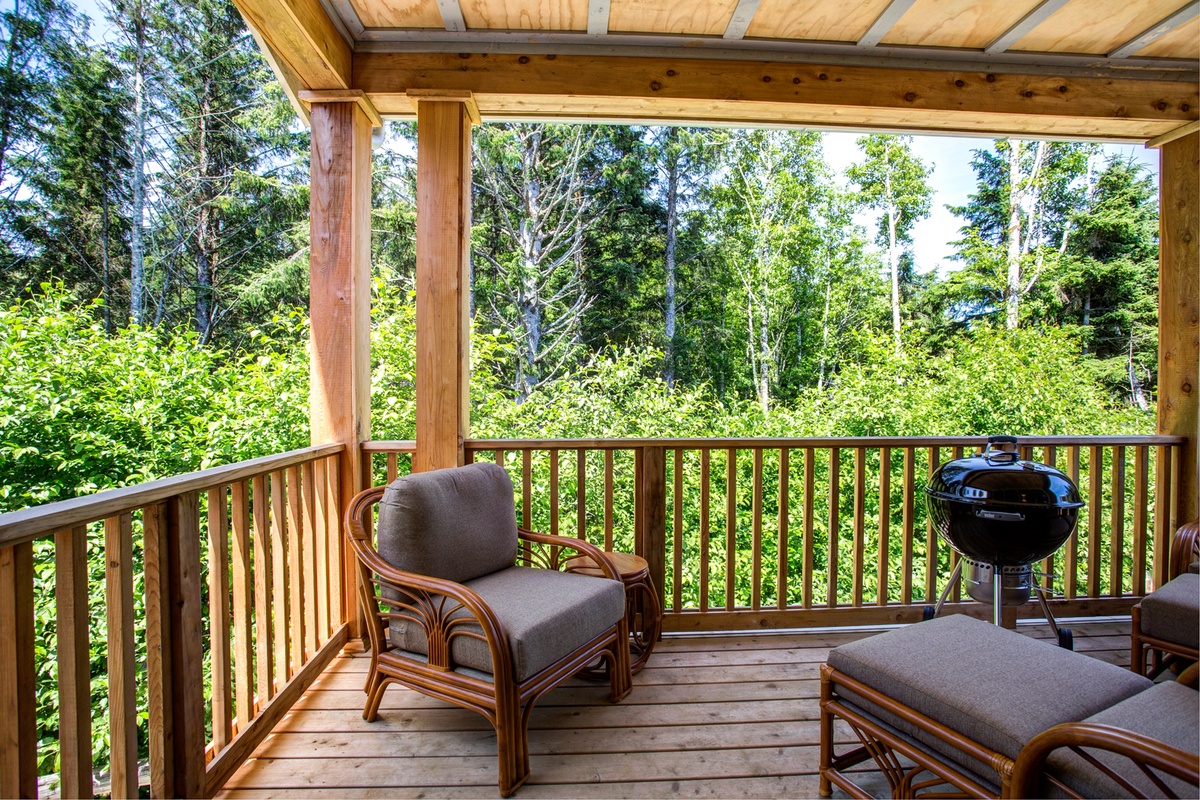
x=462 y=605
x=1165 y=628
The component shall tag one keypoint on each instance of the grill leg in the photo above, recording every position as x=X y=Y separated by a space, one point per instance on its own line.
x=954 y=576
x=997 y=593
x=1041 y=596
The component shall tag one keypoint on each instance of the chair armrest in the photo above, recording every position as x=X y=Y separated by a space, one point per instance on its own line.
x=1190 y=677
x=358 y=514
x=571 y=543
x=1185 y=548
x=1150 y=756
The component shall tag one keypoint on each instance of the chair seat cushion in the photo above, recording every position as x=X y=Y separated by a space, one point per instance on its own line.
x=1172 y=612
x=993 y=686
x=1168 y=712
x=545 y=614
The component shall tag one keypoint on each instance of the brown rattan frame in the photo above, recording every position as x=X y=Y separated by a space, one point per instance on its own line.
x=1163 y=653
x=438 y=605
x=1020 y=778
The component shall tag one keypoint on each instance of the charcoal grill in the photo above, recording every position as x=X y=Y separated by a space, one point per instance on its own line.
x=1002 y=514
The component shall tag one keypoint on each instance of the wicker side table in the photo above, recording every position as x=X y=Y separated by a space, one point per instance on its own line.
x=642 y=609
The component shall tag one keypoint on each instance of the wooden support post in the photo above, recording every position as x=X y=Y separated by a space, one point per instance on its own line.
x=1179 y=313
x=18 y=722
x=340 y=296
x=442 y=281
x=74 y=666
x=653 y=492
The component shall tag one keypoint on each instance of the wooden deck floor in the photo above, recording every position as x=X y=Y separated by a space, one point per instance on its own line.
x=718 y=716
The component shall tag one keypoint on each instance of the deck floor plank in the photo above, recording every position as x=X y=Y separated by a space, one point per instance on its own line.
x=719 y=716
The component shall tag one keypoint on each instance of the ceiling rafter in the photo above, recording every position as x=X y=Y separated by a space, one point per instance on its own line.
x=598 y=17
x=886 y=21
x=739 y=23
x=452 y=16
x=345 y=11
x=1030 y=21
x=1157 y=31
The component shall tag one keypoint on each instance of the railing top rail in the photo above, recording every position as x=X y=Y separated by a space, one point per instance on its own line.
x=31 y=523
x=798 y=442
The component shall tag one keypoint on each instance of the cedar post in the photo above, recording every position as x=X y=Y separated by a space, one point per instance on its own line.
x=1179 y=313
x=340 y=296
x=652 y=490
x=442 y=281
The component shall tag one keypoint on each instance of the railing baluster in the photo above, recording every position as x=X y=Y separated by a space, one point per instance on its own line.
x=1116 y=526
x=1051 y=458
x=931 y=546
x=218 y=618
x=581 y=494
x=956 y=592
x=910 y=511
x=295 y=552
x=553 y=455
x=810 y=468
x=321 y=531
x=18 y=717
x=1095 y=511
x=393 y=467
x=158 y=649
x=122 y=664
x=1141 y=470
x=281 y=606
x=527 y=488
x=859 y=526
x=756 y=531
x=705 y=456
x=337 y=557
x=1071 y=561
x=730 y=527
x=243 y=591
x=74 y=665
x=308 y=506
x=677 y=552
x=781 y=569
x=885 y=522
x=835 y=535
x=608 y=500
x=1163 y=463
x=264 y=659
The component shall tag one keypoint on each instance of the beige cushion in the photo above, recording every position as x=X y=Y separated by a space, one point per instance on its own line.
x=545 y=614
x=1168 y=712
x=455 y=524
x=1172 y=612
x=992 y=685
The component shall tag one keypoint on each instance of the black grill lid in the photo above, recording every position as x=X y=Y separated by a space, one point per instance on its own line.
x=996 y=477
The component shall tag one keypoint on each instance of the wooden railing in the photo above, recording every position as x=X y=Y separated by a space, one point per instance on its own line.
x=238 y=570
x=737 y=532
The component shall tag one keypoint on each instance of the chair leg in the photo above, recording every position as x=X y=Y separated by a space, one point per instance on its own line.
x=1137 y=650
x=620 y=671
x=512 y=747
x=825 y=761
x=376 y=685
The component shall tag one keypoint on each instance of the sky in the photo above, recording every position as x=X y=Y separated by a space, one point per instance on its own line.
x=952 y=180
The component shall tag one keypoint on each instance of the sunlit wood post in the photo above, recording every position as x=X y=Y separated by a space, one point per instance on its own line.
x=442 y=281
x=340 y=294
x=1179 y=314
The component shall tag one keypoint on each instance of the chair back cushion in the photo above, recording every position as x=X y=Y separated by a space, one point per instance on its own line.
x=456 y=524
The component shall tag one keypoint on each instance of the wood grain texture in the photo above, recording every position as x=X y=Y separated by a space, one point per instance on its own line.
x=957 y=23
x=399 y=13
x=296 y=563
x=1179 y=310
x=1183 y=42
x=184 y=606
x=733 y=91
x=815 y=19
x=74 y=662
x=1095 y=26
x=302 y=35
x=524 y=15
x=159 y=684
x=219 y=619
x=122 y=664
x=264 y=653
x=443 y=252
x=18 y=721
x=668 y=16
x=654 y=514
x=243 y=594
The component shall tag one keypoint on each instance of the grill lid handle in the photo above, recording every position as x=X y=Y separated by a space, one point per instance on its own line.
x=1001 y=454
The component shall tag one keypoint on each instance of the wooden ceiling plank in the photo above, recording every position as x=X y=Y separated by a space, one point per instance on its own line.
x=1109 y=107
x=1157 y=31
x=597 y=17
x=301 y=34
x=349 y=16
x=743 y=15
x=452 y=15
x=890 y=16
x=1030 y=21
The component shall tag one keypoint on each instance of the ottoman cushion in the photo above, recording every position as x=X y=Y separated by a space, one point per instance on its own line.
x=1172 y=611
x=993 y=686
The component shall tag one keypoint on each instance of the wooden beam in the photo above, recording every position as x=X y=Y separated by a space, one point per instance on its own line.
x=1179 y=311
x=1170 y=136
x=1157 y=31
x=755 y=92
x=340 y=296
x=885 y=22
x=743 y=15
x=309 y=96
x=1036 y=17
x=442 y=282
x=598 y=11
x=303 y=37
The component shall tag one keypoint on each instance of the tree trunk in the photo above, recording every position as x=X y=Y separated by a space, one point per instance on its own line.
x=764 y=352
x=106 y=277
x=672 y=221
x=137 y=181
x=893 y=214
x=205 y=257
x=1137 y=393
x=824 y=336
x=1012 y=289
